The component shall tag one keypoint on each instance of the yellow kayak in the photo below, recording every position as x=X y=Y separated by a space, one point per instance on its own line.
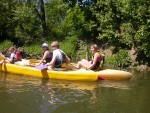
x=79 y=75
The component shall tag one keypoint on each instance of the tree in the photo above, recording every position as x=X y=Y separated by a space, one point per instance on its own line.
x=78 y=23
x=28 y=25
x=7 y=8
x=55 y=14
x=43 y=19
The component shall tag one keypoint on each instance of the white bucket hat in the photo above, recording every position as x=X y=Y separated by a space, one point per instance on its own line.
x=45 y=45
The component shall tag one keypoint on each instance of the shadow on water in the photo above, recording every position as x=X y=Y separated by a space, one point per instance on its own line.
x=22 y=94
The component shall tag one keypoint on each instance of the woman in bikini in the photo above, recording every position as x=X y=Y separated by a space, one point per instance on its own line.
x=94 y=64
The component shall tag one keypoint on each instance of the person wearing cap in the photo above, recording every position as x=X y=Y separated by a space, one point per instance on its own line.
x=94 y=64
x=47 y=55
x=59 y=57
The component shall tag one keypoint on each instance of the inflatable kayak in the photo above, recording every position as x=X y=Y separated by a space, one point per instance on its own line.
x=80 y=75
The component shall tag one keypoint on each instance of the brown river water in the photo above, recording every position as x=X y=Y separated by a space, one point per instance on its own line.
x=24 y=94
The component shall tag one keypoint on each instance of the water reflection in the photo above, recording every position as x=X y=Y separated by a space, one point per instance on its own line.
x=35 y=95
x=43 y=93
x=115 y=84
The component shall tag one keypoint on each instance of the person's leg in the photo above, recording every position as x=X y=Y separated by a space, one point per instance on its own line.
x=83 y=63
x=78 y=65
x=86 y=62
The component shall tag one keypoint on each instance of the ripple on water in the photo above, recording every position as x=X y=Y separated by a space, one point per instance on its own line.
x=24 y=94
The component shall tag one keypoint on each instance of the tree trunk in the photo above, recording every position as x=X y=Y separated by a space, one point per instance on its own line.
x=43 y=19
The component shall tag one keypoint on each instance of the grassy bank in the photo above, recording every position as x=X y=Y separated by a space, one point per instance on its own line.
x=5 y=45
x=69 y=46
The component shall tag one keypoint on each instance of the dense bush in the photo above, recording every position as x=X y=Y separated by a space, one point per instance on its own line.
x=34 y=49
x=70 y=46
x=27 y=27
x=5 y=45
x=120 y=59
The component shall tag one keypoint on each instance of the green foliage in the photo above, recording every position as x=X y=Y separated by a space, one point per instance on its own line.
x=119 y=20
x=119 y=23
x=55 y=12
x=82 y=50
x=34 y=49
x=5 y=45
x=69 y=46
x=28 y=25
x=75 y=23
x=120 y=59
x=6 y=19
x=143 y=40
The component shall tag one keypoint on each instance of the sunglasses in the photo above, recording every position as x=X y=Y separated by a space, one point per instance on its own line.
x=53 y=46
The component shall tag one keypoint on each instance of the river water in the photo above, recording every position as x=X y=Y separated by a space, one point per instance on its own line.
x=24 y=94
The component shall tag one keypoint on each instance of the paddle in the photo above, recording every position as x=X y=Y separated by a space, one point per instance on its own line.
x=41 y=67
x=34 y=61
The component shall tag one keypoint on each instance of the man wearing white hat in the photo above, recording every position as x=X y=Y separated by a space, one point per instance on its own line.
x=59 y=57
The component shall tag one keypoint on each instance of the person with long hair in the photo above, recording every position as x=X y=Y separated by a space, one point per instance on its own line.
x=94 y=64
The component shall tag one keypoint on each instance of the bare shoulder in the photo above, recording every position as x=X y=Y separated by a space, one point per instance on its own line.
x=46 y=52
x=97 y=54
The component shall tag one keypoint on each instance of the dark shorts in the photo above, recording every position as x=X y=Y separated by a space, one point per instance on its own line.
x=96 y=67
x=57 y=64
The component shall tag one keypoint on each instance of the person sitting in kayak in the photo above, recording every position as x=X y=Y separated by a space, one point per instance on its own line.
x=12 y=58
x=47 y=55
x=18 y=55
x=95 y=63
x=59 y=57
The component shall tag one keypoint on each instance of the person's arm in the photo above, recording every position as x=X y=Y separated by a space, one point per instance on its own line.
x=10 y=60
x=67 y=60
x=94 y=61
x=53 y=59
x=44 y=57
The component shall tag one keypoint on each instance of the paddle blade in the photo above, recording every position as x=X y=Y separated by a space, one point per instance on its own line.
x=41 y=67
